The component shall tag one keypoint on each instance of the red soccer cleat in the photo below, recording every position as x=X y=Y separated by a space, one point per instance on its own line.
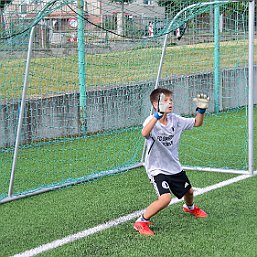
x=196 y=211
x=143 y=228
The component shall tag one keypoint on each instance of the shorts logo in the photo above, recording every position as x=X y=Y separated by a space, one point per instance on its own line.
x=165 y=185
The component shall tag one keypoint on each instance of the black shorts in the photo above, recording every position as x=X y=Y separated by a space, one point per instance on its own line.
x=178 y=184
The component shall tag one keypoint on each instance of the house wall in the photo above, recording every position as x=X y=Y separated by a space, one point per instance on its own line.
x=136 y=8
x=56 y=27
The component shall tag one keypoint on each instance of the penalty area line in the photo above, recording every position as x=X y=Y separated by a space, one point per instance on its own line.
x=118 y=221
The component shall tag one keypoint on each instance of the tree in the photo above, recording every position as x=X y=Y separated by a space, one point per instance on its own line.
x=174 y=6
x=121 y=19
x=2 y=5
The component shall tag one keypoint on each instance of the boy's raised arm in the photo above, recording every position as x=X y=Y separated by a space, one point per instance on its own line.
x=202 y=103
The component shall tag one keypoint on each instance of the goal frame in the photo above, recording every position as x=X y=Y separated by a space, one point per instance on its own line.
x=250 y=123
x=250 y=104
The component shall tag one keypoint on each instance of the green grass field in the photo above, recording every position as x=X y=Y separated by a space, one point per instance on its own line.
x=53 y=163
x=230 y=229
x=220 y=143
x=59 y=74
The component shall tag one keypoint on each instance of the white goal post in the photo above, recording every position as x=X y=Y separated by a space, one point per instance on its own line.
x=120 y=96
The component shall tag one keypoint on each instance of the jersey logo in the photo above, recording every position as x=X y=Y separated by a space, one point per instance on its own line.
x=166 y=140
x=165 y=185
x=186 y=184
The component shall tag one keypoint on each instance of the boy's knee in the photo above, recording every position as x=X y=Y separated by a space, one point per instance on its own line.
x=189 y=195
x=190 y=191
x=165 y=198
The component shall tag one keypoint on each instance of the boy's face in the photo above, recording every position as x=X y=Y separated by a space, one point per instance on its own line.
x=168 y=101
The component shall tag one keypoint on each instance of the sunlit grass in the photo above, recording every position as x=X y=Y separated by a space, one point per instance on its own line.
x=53 y=75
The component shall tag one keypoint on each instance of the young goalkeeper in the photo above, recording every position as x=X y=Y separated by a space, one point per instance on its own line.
x=162 y=131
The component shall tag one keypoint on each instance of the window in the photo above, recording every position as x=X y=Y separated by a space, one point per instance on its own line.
x=148 y=2
x=23 y=8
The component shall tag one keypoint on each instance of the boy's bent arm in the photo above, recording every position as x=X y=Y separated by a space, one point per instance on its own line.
x=199 y=119
x=148 y=127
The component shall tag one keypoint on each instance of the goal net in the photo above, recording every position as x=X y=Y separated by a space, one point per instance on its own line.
x=76 y=79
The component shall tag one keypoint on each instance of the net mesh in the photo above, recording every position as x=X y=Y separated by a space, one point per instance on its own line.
x=93 y=66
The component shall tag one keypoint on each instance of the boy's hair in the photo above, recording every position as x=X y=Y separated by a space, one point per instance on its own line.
x=154 y=96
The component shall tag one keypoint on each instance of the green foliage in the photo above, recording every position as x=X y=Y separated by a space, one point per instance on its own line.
x=230 y=8
x=173 y=6
x=4 y=2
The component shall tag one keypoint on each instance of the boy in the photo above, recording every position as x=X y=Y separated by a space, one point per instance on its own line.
x=162 y=131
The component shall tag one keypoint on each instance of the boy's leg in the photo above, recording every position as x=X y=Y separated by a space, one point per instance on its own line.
x=156 y=206
x=190 y=207
x=189 y=197
x=142 y=223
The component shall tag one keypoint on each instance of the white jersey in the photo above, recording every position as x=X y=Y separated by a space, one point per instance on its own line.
x=163 y=143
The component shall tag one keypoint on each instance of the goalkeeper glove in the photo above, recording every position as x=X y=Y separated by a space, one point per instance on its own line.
x=161 y=108
x=202 y=102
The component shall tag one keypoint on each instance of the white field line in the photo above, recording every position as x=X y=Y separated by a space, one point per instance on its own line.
x=120 y=220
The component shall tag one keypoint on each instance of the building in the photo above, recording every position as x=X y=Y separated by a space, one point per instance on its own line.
x=60 y=24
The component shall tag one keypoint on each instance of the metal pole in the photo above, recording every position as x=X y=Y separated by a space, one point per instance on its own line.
x=216 y=58
x=161 y=61
x=156 y=85
x=84 y=179
x=250 y=86
x=25 y=85
x=81 y=65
